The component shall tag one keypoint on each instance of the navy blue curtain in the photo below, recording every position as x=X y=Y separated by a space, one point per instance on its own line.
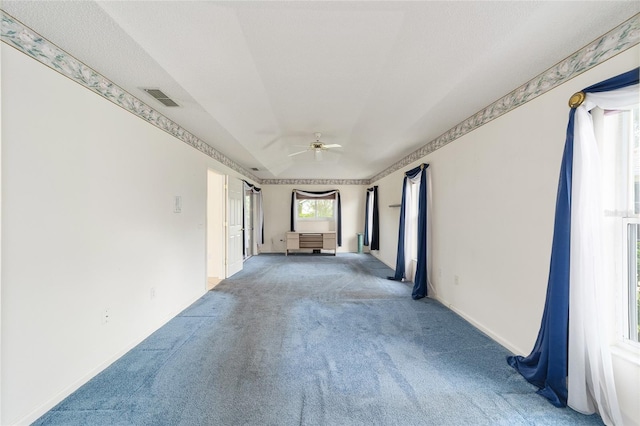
x=400 y=272
x=546 y=366
x=339 y=230
x=375 y=228
x=292 y=226
x=420 y=279
x=374 y=238
x=339 y=221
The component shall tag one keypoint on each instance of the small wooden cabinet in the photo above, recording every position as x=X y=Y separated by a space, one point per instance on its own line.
x=311 y=240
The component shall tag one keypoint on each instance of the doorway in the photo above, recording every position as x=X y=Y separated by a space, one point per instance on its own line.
x=225 y=223
x=215 y=228
x=234 y=240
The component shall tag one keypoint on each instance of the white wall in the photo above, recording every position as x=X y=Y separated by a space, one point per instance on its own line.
x=494 y=193
x=277 y=214
x=88 y=228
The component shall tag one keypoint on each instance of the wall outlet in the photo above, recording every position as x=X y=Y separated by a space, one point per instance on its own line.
x=152 y=293
x=106 y=316
x=456 y=280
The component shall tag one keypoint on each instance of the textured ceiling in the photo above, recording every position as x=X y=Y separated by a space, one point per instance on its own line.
x=255 y=80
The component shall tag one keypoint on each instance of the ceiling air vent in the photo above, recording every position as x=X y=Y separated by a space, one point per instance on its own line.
x=255 y=169
x=161 y=97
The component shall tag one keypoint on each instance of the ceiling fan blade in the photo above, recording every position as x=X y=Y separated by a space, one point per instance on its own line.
x=333 y=145
x=296 y=153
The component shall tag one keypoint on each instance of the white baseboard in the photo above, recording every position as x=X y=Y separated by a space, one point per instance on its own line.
x=60 y=396
x=496 y=337
x=378 y=257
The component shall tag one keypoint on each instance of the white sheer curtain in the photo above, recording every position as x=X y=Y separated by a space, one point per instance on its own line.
x=259 y=230
x=369 y=216
x=591 y=384
x=258 y=220
x=412 y=191
x=410 y=226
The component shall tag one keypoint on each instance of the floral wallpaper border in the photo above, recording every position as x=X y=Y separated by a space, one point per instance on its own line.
x=615 y=41
x=619 y=39
x=16 y=34
x=315 y=181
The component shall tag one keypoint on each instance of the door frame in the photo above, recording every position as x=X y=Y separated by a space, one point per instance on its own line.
x=215 y=232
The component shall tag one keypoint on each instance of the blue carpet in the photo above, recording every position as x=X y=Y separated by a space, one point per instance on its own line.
x=312 y=340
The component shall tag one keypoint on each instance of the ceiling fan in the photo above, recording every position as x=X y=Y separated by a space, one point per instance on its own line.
x=317 y=147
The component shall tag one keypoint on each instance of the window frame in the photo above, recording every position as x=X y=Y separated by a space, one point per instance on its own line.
x=629 y=302
x=624 y=214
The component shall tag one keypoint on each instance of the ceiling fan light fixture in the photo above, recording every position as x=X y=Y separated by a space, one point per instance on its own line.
x=317 y=147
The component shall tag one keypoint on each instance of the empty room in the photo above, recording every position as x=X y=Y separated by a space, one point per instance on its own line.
x=320 y=213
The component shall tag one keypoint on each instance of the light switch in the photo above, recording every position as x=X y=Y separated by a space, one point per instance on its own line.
x=177 y=207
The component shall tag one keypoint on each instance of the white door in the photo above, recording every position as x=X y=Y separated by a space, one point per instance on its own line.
x=235 y=200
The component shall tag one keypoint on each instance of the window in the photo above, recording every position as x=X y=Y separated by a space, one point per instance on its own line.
x=316 y=209
x=621 y=162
